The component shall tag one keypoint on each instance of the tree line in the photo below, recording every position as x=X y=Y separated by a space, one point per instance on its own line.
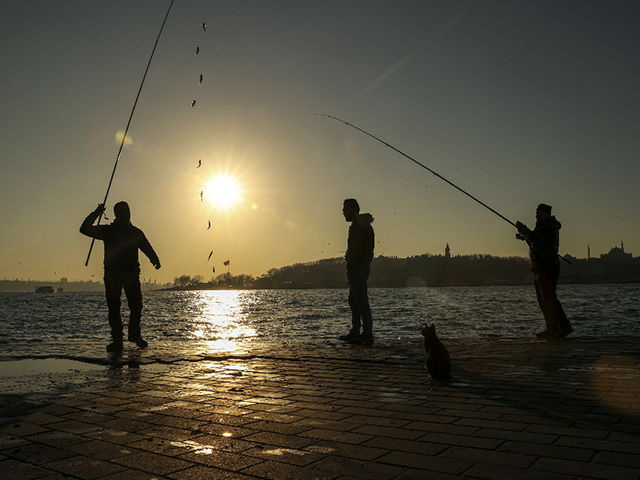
x=420 y=271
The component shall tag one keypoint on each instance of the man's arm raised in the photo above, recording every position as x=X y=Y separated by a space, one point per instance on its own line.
x=87 y=228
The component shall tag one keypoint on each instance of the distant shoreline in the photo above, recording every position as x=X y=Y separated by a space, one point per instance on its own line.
x=205 y=287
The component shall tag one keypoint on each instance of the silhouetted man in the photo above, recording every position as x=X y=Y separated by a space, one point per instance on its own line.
x=121 y=269
x=359 y=255
x=543 y=242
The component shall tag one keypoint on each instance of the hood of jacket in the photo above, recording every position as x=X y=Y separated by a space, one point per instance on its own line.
x=551 y=222
x=364 y=219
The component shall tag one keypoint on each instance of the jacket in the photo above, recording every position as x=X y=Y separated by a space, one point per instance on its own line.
x=361 y=241
x=121 y=243
x=544 y=241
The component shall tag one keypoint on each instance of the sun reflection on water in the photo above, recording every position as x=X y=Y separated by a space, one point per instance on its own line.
x=218 y=321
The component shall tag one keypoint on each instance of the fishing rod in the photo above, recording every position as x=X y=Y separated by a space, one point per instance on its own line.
x=124 y=137
x=435 y=173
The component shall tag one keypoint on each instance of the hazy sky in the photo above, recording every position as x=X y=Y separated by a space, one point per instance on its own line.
x=516 y=102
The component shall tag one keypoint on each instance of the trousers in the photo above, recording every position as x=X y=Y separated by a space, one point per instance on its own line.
x=357 y=277
x=546 y=281
x=115 y=281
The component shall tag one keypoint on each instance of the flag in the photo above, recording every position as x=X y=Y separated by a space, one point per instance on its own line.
x=226 y=264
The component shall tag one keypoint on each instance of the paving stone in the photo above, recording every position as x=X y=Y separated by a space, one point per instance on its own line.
x=38 y=454
x=391 y=432
x=487 y=471
x=426 y=462
x=132 y=475
x=115 y=436
x=422 y=475
x=84 y=467
x=587 y=469
x=55 y=476
x=551 y=451
x=22 y=429
x=285 y=455
x=18 y=470
x=358 y=469
x=277 y=427
x=220 y=459
x=289 y=441
x=515 y=435
x=600 y=445
x=336 y=436
x=461 y=440
x=399 y=445
x=518 y=460
x=280 y=471
x=208 y=473
x=621 y=459
x=356 y=452
x=42 y=418
x=153 y=463
x=101 y=450
x=11 y=441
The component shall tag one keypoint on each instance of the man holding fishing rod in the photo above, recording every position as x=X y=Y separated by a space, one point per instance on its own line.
x=543 y=242
x=121 y=269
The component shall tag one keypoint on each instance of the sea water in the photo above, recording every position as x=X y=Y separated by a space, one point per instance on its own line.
x=189 y=319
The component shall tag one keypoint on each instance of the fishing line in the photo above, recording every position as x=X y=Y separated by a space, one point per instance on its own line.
x=124 y=137
x=435 y=173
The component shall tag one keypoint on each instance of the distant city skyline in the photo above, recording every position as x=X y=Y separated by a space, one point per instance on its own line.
x=446 y=253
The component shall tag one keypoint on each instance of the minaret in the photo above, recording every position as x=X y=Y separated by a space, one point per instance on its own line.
x=447 y=252
x=588 y=252
x=622 y=246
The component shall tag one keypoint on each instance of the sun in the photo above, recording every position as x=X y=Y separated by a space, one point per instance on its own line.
x=223 y=191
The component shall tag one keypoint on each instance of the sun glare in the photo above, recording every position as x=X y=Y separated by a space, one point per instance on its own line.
x=223 y=191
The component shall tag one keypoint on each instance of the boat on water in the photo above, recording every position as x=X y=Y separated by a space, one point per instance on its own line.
x=45 y=289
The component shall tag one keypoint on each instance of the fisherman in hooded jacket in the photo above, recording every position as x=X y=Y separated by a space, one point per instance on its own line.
x=121 y=269
x=543 y=242
x=360 y=245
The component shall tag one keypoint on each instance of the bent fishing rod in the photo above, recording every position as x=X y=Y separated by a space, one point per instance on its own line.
x=435 y=173
x=124 y=137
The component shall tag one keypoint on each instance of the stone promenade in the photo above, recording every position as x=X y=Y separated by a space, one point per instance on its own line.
x=516 y=409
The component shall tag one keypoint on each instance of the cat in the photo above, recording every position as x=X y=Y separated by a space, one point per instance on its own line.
x=438 y=363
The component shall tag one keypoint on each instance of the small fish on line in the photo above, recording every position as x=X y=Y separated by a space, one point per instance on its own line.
x=201 y=195
x=209 y=225
x=211 y=253
x=204 y=26
x=214 y=269
x=197 y=50
x=199 y=163
x=193 y=103
x=200 y=79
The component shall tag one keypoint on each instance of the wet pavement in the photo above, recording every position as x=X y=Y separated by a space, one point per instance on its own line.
x=516 y=409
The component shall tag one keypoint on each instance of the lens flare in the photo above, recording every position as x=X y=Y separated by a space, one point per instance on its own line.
x=120 y=135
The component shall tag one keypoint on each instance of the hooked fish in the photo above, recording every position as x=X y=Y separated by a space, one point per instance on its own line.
x=201 y=195
x=199 y=163
x=209 y=225
x=193 y=103
x=200 y=79
x=197 y=50
x=204 y=26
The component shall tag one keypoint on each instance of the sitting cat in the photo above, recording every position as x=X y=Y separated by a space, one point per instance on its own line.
x=438 y=363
